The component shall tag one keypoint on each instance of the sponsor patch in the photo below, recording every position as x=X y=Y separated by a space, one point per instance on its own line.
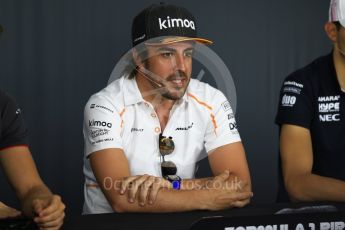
x=226 y=106
x=288 y=101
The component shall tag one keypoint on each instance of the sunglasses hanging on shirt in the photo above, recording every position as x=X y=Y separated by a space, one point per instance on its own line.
x=168 y=168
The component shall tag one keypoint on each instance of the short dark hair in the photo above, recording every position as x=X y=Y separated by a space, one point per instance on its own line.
x=338 y=25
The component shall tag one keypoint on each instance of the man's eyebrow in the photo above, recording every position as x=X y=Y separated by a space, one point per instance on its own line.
x=173 y=50
x=189 y=49
x=165 y=49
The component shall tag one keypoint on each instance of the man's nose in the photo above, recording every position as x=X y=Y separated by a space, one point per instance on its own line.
x=179 y=62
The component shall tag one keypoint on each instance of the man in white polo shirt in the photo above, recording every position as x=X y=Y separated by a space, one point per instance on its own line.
x=145 y=132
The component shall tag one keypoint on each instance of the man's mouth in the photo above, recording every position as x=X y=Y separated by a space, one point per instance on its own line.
x=178 y=82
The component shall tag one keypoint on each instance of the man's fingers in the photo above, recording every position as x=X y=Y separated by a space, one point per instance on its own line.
x=144 y=189
x=132 y=191
x=54 y=224
x=154 y=191
x=126 y=183
x=223 y=176
x=7 y=212
x=58 y=212
x=38 y=205
x=51 y=205
x=240 y=203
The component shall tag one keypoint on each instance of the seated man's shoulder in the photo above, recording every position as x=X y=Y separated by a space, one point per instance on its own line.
x=109 y=99
x=312 y=72
x=204 y=92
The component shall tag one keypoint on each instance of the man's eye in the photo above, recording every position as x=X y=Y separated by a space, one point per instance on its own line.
x=167 y=54
x=189 y=54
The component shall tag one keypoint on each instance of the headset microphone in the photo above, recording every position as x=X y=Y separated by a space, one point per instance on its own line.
x=148 y=75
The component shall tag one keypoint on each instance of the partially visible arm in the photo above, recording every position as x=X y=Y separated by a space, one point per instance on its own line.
x=297 y=162
x=35 y=197
x=231 y=157
x=112 y=163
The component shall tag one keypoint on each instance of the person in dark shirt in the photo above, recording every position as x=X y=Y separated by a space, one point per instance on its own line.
x=311 y=117
x=38 y=202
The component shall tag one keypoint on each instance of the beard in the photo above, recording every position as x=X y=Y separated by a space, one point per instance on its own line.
x=171 y=91
x=166 y=87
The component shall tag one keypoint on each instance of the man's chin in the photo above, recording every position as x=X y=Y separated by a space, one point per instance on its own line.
x=173 y=95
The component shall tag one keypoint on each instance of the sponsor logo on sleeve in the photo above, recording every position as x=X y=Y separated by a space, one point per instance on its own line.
x=288 y=101
x=231 y=116
x=93 y=106
x=232 y=126
x=99 y=132
x=291 y=89
x=226 y=106
x=293 y=83
x=102 y=140
x=94 y=123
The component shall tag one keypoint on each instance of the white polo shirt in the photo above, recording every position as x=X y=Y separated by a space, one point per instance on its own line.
x=119 y=117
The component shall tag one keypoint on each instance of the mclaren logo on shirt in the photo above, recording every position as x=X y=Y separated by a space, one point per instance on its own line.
x=329 y=108
x=94 y=123
x=184 y=128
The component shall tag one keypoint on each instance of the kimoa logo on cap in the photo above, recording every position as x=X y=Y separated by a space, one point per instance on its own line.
x=175 y=22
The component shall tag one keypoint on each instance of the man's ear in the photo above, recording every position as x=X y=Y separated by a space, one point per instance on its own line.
x=331 y=31
x=137 y=59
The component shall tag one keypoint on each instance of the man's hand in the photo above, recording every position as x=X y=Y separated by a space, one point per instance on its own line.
x=144 y=187
x=223 y=193
x=49 y=212
x=8 y=212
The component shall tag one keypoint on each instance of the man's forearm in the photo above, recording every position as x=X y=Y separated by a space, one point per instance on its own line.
x=168 y=200
x=206 y=183
x=190 y=184
x=313 y=187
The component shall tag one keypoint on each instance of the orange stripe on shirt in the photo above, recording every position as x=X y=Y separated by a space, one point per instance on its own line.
x=92 y=185
x=208 y=107
x=122 y=112
x=200 y=102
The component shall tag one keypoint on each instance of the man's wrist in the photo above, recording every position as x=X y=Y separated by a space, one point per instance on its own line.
x=175 y=181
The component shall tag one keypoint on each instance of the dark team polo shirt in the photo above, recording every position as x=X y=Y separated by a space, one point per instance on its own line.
x=12 y=129
x=312 y=98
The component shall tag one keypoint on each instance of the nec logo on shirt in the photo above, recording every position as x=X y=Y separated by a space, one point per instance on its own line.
x=331 y=106
x=175 y=22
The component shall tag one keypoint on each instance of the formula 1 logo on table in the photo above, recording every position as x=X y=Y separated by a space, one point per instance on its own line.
x=288 y=100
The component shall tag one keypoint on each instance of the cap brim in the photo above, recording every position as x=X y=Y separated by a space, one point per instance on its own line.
x=171 y=40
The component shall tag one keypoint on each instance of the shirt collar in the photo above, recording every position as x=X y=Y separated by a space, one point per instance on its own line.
x=131 y=92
